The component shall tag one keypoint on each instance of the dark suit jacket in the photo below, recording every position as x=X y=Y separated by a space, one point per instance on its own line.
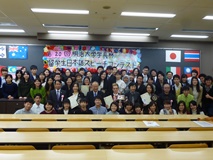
x=90 y=97
x=136 y=95
x=80 y=95
x=62 y=111
x=162 y=97
x=53 y=97
x=159 y=88
x=109 y=83
x=141 y=89
x=31 y=77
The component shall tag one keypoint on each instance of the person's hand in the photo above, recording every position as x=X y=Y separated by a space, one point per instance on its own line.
x=20 y=97
x=24 y=97
x=208 y=96
x=170 y=111
x=107 y=106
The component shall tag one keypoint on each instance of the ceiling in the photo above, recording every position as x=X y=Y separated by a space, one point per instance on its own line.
x=189 y=14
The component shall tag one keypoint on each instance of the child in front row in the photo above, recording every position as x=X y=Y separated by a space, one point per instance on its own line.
x=167 y=110
x=194 y=108
x=151 y=108
x=48 y=108
x=113 y=108
x=66 y=107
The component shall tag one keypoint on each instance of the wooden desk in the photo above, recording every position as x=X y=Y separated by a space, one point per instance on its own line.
x=100 y=117
x=94 y=124
x=10 y=106
x=127 y=154
x=104 y=137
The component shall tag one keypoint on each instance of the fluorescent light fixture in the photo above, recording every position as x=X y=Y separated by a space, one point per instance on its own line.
x=129 y=34
x=12 y=30
x=64 y=26
x=7 y=24
x=143 y=14
x=188 y=36
x=67 y=32
x=59 y=11
x=208 y=17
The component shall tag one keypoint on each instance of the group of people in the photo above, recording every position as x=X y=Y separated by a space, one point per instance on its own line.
x=139 y=92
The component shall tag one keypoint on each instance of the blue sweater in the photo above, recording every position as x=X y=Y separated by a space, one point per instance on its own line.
x=10 y=89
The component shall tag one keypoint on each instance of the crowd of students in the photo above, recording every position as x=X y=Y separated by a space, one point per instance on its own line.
x=60 y=92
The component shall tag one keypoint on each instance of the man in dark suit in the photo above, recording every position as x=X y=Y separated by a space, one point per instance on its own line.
x=33 y=74
x=145 y=74
x=95 y=77
x=57 y=96
x=169 y=78
x=92 y=94
x=140 y=87
x=110 y=80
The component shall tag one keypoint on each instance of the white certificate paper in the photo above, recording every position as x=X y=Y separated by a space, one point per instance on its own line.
x=108 y=100
x=151 y=123
x=84 y=89
x=204 y=123
x=73 y=102
x=146 y=98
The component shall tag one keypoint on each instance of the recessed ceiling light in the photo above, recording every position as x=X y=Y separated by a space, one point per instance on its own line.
x=67 y=32
x=59 y=11
x=208 y=17
x=188 y=36
x=143 y=14
x=129 y=34
x=12 y=30
x=137 y=28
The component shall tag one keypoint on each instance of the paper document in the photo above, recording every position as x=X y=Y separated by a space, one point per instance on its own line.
x=146 y=98
x=204 y=123
x=84 y=89
x=151 y=123
x=73 y=102
x=108 y=100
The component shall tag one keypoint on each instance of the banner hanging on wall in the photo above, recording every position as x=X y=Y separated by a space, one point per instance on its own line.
x=90 y=57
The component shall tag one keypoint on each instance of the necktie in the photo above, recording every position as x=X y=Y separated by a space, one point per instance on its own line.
x=58 y=95
x=95 y=94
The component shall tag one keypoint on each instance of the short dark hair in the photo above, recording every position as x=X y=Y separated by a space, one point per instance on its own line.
x=185 y=88
x=176 y=76
x=57 y=81
x=167 y=102
x=202 y=75
x=109 y=68
x=100 y=67
x=33 y=67
x=132 y=84
x=208 y=78
x=38 y=95
x=116 y=104
x=29 y=100
x=66 y=101
x=48 y=102
x=9 y=75
x=83 y=100
x=147 y=67
x=169 y=72
x=4 y=69
x=194 y=71
x=98 y=97
x=128 y=103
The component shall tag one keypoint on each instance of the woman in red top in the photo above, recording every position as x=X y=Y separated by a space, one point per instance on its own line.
x=48 y=108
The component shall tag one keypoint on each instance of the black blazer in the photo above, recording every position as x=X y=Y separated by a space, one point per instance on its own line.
x=31 y=77
x=137 y=98
x=80 y=95
x=53 y=98
x=141 y=89
x=109 y=83
x=68 y=91
x=62 y=111
x=159 y=88
x=90 y=97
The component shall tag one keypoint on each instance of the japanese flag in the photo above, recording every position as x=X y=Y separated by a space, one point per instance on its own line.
x=173 y=56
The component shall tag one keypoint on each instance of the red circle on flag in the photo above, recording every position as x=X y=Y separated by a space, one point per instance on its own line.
x=173 y=56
